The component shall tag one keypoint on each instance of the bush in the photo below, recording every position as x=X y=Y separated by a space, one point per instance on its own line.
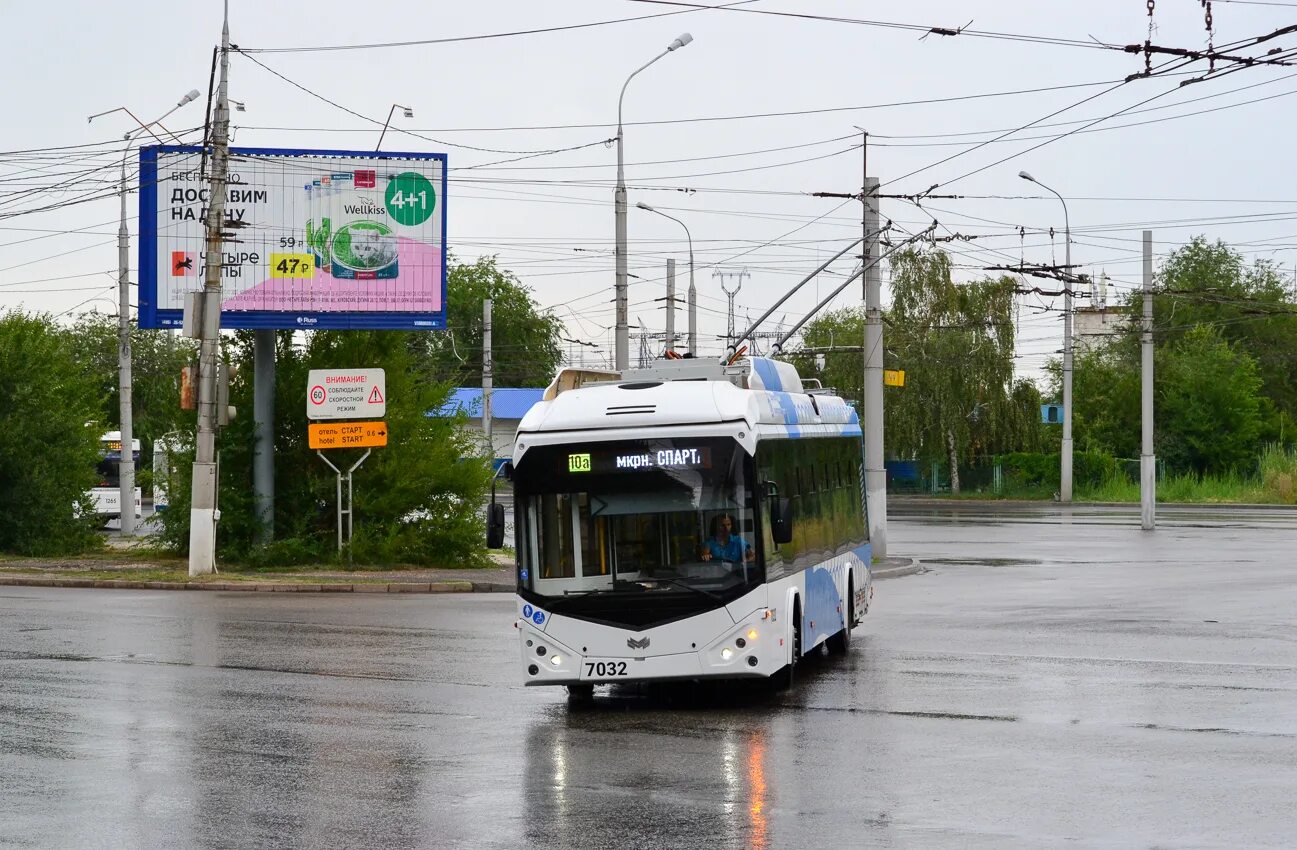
x=47 y=451
x=1030 y=469
x=1040 y=469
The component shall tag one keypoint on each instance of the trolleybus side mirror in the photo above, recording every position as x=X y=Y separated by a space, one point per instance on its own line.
x=495 y=526
x=781 y=520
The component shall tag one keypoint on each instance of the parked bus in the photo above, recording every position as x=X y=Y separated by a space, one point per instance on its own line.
x=685 y=521
x=106 y=496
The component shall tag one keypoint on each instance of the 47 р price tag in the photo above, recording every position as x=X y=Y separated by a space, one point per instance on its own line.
x=292 y=265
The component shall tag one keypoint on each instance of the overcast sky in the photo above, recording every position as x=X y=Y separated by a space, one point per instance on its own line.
x=741 y=184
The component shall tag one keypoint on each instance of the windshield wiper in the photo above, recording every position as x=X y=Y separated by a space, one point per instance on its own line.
x=686 y=586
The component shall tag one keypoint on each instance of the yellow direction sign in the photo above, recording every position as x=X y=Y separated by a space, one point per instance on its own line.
x=347 y=435
x=894 y=377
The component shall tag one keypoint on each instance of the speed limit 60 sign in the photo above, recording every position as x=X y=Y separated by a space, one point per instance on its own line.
x=346 y=394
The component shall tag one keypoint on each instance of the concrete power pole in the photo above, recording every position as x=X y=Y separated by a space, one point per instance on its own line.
x=488 y=376
x=875 y=471
x=1147 y=460
x=671 y=304
x=126 y=466
x=203 y=514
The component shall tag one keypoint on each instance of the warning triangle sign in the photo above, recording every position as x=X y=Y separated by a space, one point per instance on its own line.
x=376 y=396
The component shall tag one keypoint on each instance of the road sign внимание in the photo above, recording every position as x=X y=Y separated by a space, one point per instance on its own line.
x=346 y=394
x=347 y=435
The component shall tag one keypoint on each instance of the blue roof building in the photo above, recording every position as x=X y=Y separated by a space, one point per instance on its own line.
x=508 y=406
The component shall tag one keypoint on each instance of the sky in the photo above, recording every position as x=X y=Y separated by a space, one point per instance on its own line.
x=732 y=135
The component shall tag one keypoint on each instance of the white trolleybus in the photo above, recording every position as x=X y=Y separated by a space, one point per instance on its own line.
x=685 y=521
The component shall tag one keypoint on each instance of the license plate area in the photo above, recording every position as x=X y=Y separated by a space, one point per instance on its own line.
x=606 y=669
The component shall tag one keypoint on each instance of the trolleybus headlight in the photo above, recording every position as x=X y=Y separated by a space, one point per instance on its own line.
x=727 y=654
x=533 y=669
x=540 y=650
x=740 y=643
x=556 y=660
x=752 y=661
x=752 y=634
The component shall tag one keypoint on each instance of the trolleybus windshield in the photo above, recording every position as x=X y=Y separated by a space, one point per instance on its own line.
x=637 y=518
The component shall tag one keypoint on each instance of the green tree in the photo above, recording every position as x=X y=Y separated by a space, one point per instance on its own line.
x=830 y=351
x=417 y=500
x=1106 y=399
x=157 y=358
x=525 y=339
x=1207 y=283
x=47 y=452
x=1209 y=405
x=956 y=345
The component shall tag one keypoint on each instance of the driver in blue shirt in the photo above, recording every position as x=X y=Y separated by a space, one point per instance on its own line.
x=724 y=545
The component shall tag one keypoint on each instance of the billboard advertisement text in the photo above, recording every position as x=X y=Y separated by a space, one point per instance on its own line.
x=313 y=239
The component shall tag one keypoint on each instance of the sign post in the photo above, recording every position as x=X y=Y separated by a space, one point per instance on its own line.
x=335 y=394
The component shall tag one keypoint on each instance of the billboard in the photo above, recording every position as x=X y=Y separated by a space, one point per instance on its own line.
x=313 y=239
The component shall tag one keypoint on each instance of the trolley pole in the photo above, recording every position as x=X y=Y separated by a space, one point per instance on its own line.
x=203 y=514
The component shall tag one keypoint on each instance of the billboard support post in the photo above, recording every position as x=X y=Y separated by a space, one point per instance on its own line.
x=203 y=514
x=263 y=451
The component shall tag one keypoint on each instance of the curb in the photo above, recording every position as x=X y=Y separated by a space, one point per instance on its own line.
x=896 y=572
x=255 y=586
x=464 y=586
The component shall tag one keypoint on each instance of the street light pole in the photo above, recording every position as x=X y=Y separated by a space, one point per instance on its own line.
x=405 y=110
x=693 y=293
x=1065 y=463
x=125 y=409
x=622 y=333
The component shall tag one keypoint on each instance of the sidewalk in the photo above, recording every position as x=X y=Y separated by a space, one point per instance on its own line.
x=498 y=579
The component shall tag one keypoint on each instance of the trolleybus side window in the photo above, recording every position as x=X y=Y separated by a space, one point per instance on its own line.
x=827 y=515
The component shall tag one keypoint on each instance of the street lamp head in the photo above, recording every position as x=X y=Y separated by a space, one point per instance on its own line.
x=645 y=206
x=406 y=111
x=190 y=96
x=680 y=42
x=1025 y=176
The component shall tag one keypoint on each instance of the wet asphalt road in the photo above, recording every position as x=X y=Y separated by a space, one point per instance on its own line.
x=1047 y=683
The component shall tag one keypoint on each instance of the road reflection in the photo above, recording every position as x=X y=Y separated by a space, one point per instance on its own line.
x=636 y=771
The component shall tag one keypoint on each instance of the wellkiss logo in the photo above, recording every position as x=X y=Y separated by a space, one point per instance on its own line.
x=642 y=643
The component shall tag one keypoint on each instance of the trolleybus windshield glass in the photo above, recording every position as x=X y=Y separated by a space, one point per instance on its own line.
x=637 y=517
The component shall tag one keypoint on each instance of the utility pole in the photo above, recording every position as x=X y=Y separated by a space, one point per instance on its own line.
x=693 y=305
x=671 y=304
x=488 y=369
x=1147 y=460
x=126 y=465
x=203 y=514
x=875 y=471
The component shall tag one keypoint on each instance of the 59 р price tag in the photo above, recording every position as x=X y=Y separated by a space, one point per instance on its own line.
x=292 y=265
